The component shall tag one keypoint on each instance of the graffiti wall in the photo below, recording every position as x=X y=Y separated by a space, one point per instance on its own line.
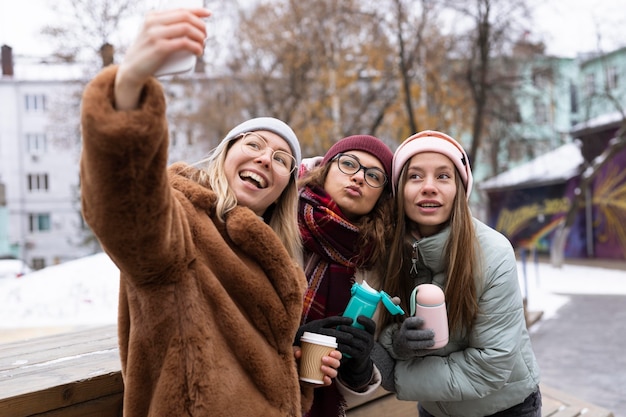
x=609 y=209
x=529 y=217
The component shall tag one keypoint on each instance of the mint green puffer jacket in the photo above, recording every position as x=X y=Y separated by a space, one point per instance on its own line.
x=490 y=369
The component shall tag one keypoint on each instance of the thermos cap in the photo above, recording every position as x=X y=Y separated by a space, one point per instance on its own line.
x=365 y=292
x=429 y=295
x=426 y=295
x=394 y=309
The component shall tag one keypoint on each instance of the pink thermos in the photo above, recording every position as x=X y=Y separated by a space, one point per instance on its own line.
x=428 y=302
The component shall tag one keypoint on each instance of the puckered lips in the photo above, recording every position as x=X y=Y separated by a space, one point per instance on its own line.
x=253 y=178
x=354 y=191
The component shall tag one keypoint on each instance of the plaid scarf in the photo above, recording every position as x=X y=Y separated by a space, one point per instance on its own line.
x=332 y=256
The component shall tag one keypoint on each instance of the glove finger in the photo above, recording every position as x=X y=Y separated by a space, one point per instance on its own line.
x=413 y=323
x=367 y=323
x=361 y=343
x=335 y=321
x=360 y=338
x=420 y=344
x=419 y=335
x=343 y=339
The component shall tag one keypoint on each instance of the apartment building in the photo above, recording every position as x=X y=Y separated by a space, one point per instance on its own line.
x=39 y=150
x=40 y=217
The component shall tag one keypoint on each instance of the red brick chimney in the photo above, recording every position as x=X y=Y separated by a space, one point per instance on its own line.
x=7 y=61
x=106 y=52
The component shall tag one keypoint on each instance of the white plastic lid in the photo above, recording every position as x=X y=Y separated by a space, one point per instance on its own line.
x=319 y=339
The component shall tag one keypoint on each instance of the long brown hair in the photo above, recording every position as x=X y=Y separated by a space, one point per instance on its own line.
x=461 y=252
x=374 y=227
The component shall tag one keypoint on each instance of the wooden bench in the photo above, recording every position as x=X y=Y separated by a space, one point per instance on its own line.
x=70 y=375
x=78 y=375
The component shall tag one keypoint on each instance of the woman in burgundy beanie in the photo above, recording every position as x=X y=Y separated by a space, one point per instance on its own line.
x=344 y=213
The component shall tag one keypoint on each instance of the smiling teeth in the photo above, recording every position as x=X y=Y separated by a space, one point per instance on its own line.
x=429 y=205
x=257 y=178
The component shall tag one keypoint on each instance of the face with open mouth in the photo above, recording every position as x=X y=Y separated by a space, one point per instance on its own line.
x=429 y=191
x=254 y=179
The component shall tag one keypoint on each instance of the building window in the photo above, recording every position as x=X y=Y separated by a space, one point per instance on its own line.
x=39 y=222
x=612 y=78
x=37 y=182
x=541 y=112
x=36 y=143
x=38 y=263
x=540 y=78
x=590 y=84
x=35 y=102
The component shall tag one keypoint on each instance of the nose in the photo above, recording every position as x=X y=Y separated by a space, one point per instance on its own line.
x=359 y=176
x=265 y=157
x=428 y=186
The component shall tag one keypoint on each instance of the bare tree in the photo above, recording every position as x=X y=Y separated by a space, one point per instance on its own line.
x=322 y=66
x=85 y=26
x=496 y=25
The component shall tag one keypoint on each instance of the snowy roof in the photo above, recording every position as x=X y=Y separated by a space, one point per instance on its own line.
x=598 y=122
x=555 y=166
x=27 y=68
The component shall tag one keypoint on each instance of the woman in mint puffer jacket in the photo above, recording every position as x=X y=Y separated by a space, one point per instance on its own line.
x=488 y=366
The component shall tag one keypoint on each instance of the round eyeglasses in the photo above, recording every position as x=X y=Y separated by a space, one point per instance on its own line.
x=255 y=145
x=350 y=165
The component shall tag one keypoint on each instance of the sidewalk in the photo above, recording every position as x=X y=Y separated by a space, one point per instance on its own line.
x=555 y=403
x=578 y=336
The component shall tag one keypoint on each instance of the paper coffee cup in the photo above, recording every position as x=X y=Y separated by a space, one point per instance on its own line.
x=314 y=347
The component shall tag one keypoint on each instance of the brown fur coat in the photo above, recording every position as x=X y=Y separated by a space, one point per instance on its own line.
x=208 y=310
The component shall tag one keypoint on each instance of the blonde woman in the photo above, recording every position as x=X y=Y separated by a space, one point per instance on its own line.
x=210 y=287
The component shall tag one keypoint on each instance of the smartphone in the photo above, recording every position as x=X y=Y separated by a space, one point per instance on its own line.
x=179 y=62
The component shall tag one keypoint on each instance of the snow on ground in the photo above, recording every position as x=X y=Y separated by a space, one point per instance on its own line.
x=75 y=293
x=84 y=292
x=546 y=288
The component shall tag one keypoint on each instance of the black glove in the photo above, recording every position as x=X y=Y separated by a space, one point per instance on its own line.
x=357 y=368
x=327 y=326
x=411 y=338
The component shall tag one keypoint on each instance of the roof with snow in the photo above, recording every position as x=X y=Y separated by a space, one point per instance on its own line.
x=597 y=123
x=553 y=167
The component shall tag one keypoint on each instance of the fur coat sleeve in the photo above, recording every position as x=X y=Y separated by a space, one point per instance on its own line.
x=208 y=309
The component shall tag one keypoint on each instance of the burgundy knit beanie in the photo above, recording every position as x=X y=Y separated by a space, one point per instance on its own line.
x=365 y=143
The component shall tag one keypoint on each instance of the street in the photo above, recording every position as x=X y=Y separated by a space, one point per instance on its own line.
x=580 y=350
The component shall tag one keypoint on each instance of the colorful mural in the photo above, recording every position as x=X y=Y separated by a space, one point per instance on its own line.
x=530 y=216
x=609 y=209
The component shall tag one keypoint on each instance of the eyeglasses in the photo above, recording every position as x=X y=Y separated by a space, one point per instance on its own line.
x=254 y=145
x=350 y=165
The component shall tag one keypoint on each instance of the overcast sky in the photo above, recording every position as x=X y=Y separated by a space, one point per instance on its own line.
x=567 y=26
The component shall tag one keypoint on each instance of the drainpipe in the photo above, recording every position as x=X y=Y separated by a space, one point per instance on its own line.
x=589 y=220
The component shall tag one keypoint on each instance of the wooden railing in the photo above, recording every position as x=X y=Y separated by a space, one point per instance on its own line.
x=78 y=375
x=68 y=375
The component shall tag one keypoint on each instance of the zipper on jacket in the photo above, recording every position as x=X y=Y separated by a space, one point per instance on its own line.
x=414 y=259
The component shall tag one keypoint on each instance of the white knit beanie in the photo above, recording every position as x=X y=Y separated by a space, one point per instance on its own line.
x=272 y=125
x=433 y=141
